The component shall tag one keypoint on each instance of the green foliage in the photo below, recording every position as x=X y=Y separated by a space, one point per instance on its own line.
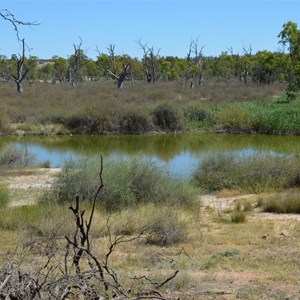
x=269 y=117
x=19 y=217
x=4 y=197
x=128 y=183
x=234 y=120
x=290 y=36
x=254 y=173
x=60 y=67
x=166 y=118
x=135 y=122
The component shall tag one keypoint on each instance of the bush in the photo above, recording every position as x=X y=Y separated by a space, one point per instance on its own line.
x=254 y=173
x=167 y=228
x=127 y=183
x=287 y=202
x=135 y=122
x=234 y=120
x=166 y=118
x=13 y=158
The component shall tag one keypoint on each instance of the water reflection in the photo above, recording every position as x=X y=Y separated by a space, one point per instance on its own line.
x=178 y=152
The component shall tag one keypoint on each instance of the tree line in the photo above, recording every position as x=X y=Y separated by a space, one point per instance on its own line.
x=262 y=67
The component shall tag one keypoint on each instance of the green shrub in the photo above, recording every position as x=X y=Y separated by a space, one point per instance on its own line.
x=13 y=158
x=167 y=118
x=234 y=120
x=167 y=228
x=82 y=123
x=127 y=183
x=287 y=202
x=135 y=122
x=254 y=173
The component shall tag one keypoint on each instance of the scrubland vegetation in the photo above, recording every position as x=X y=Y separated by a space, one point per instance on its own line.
x=221 y=251
x=128 y=229
x=252 y=173
x=99 y=108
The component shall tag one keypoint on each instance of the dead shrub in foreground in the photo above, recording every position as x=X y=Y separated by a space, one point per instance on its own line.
x=83 y=273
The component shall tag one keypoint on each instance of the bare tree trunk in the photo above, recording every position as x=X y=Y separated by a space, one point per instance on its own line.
x=120 y=79
x=19 y=77
x=150 y=64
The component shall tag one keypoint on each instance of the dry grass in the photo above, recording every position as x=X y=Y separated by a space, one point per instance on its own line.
x=102 y=108
x=216 y=260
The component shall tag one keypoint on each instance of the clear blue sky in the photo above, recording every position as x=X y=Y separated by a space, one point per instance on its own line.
x=166 y=24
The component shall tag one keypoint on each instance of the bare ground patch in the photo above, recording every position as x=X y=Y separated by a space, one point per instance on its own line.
x=27 y=185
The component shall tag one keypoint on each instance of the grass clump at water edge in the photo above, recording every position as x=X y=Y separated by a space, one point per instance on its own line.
x=254 y=173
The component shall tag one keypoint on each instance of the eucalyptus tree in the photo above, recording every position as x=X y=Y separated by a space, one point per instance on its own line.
x=290 y=37
x=60 y=68
x=4 y=68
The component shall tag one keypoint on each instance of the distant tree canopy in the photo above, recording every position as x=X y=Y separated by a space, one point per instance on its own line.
x=262 y=67
x=290 y=37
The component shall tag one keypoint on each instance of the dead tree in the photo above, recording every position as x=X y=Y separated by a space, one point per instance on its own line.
x=20 y=75
x=150 y=61
x=111 y=51
x=246 y=64
x=100 y=269
x=74 y=73
x=121 y=77
x=195 y=63
x=8 y=16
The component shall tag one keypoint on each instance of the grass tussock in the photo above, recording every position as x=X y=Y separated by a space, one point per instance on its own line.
x=238 y=217
x=128 y=183
x=253 y=173
x=282 y=203
x=4 y=197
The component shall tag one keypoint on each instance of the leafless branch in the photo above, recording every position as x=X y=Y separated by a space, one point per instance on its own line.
x=8 y=16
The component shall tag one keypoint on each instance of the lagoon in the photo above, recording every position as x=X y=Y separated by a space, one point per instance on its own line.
x=179 y=153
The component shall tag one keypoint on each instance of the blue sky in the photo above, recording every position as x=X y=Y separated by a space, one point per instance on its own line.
x=168 y=25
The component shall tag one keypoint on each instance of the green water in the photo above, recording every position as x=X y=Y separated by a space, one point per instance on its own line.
x=179 y=152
